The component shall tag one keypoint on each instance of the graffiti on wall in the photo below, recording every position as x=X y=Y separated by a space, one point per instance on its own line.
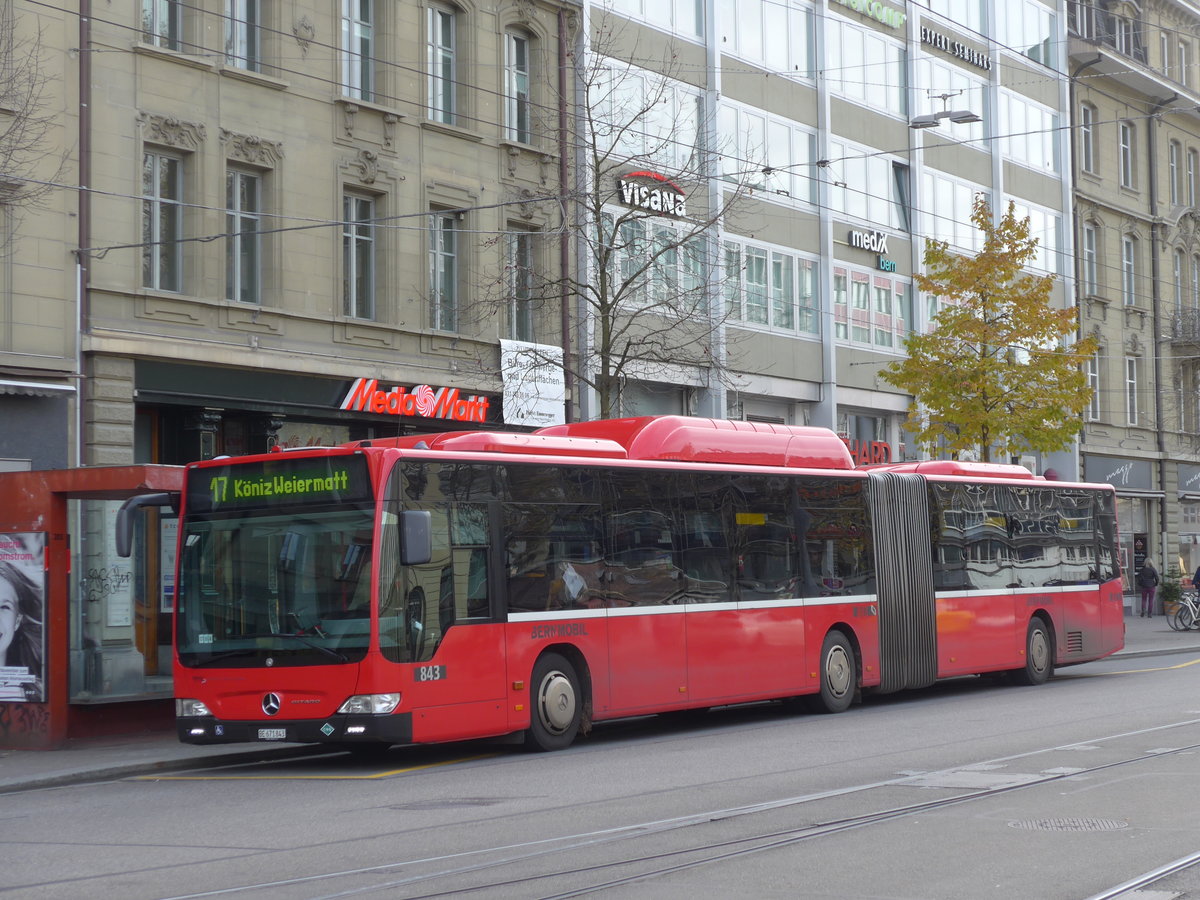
x=24 y=724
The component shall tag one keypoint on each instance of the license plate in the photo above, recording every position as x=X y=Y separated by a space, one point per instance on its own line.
x=272 y=734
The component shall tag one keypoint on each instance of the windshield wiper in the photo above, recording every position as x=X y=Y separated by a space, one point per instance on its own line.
x=225 y=654
x=243 y=651
x=302 y=639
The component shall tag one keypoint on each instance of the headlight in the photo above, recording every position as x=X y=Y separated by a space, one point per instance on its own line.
x=188 y=708
x=370 y=704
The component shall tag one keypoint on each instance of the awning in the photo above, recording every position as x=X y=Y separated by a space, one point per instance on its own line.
x=35 y=388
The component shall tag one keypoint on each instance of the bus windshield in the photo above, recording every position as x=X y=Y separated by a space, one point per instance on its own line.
x=275 y=580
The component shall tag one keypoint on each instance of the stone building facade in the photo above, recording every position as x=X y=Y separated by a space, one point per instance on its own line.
x=1136 y=137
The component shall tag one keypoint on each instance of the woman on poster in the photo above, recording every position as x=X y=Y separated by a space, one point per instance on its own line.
x=20 y=632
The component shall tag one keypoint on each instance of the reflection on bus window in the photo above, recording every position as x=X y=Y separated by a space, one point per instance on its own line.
x=295 y=587
x=1000 y=536
x=420 y=605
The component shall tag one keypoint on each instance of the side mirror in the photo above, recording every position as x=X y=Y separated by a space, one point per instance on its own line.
x=416 y=537
x=125 y=517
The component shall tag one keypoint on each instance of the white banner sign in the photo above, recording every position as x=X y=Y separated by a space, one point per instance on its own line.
x=534 y=385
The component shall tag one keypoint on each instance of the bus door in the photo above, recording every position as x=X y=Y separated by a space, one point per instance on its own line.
x=436 y=619
x=745 y=639
x=644 y=595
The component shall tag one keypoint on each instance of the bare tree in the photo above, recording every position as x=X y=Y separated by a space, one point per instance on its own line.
x=25 y=121
x=644 y=286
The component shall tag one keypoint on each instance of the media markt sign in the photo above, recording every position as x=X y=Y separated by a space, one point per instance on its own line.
x=653 y=192
x=422 y=401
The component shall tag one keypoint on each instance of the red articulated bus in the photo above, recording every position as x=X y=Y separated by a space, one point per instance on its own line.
x=474 y=584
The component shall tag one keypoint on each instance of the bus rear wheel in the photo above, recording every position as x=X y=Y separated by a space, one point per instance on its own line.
x=838 y=674
x=556 y=706
x=1039 y=655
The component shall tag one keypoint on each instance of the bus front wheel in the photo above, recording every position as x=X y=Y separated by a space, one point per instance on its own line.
x=838 y=674
x=556 y=706
x=1039 y=655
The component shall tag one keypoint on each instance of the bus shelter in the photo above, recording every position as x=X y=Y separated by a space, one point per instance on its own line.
x=67 y=608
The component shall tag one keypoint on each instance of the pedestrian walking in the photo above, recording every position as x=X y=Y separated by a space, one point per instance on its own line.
x=1147 y=580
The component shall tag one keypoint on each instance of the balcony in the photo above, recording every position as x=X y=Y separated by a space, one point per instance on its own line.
x=1185 y=326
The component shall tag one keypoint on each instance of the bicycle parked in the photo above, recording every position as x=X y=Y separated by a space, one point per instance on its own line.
x=1188 y=614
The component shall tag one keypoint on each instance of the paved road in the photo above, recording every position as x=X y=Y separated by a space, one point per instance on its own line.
x=964 y=790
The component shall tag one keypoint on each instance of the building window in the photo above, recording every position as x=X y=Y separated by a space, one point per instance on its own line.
x=162 y=221
x=1129 y=270
x=792 y=152
x=1131 y=388
x=1088 y=271
x=358 y=31
x=1045 y=225
x=1123 y=35
x=1174 y=152
x=869 y=185
x=1165 y=51
x=1196 y=287
x=1177 y=278
x=1081 y=18
x=1029 y=132
x=1093 y=378
x=861 y=65
x=666 y=112
x=769 y=288
x=162 y=23
x=1087 y=137
x=243 y=255
x=1184 y=74
x=440 y=48
x=519 y=266
x=680 y=16
x=1126 y=158
x=443 y=270
x=871 y=309
x=1027 y=26
x=777 y=36
x=242 y=47
x=358 y=256
x=516 y=88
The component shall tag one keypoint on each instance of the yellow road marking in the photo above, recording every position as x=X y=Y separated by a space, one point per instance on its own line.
x=387 y=774
x=1157 y=668
x=1073 y=674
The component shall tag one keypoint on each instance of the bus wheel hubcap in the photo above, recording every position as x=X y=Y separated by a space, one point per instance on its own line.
x=1039 y=650
x=837 y=671
x=557 y=702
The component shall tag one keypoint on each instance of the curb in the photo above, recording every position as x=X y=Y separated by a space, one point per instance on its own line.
x=126 y=770
x=1164 y=651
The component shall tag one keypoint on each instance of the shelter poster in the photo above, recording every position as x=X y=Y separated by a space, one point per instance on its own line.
x=22 y=617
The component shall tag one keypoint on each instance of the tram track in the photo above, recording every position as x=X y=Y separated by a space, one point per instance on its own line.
x=443 y=876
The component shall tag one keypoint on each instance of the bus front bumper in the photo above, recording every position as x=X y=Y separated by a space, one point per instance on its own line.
x=335 y=729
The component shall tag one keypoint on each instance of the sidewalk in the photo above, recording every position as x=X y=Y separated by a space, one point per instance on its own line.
x=121 y=757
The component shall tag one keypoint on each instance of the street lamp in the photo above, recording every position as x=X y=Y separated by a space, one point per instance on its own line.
x=957 y=116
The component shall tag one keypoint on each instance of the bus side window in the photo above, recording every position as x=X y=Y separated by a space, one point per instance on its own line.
x=477 y=584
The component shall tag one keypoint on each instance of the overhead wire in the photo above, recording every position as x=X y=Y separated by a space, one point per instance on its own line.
x=752 y=166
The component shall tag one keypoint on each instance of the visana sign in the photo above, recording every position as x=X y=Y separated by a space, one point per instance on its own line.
x=421 y=401
x=654 y=192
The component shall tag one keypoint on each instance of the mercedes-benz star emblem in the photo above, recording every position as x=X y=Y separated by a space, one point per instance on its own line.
x=271 y=704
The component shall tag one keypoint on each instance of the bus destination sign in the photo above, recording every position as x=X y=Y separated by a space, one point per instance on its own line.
x=282 y=482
